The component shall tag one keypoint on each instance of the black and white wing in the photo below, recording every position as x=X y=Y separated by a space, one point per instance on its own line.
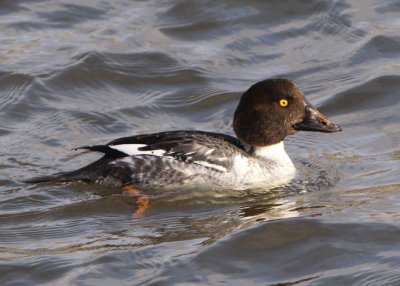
x=208 y=149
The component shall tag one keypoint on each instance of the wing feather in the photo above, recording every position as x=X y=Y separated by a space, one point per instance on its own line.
x=208 y=149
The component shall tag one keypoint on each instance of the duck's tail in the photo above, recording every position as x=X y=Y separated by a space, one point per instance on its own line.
x=56 y=178
x=88 y=173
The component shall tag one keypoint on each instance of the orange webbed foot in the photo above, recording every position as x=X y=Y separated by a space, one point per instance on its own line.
x=141 y=201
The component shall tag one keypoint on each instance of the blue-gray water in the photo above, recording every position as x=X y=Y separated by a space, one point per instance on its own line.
x=74 y=73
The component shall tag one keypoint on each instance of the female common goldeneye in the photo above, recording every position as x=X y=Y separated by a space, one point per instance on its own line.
x=267 y=112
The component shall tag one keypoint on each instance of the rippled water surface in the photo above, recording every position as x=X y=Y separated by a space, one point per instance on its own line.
x=74 y=73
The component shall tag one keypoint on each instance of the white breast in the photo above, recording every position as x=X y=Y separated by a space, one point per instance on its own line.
x=269 y=164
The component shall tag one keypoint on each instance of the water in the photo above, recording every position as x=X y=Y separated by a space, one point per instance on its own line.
x=74 y=73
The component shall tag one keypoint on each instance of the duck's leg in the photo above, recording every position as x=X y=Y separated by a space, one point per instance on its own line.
x=142 y=201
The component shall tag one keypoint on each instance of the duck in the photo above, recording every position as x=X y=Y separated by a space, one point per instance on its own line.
x=267 y=112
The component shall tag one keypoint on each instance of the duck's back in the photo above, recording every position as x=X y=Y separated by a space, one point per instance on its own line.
x=161 y=159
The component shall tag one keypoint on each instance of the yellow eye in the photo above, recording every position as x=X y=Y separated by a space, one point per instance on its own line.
x=283 y=102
